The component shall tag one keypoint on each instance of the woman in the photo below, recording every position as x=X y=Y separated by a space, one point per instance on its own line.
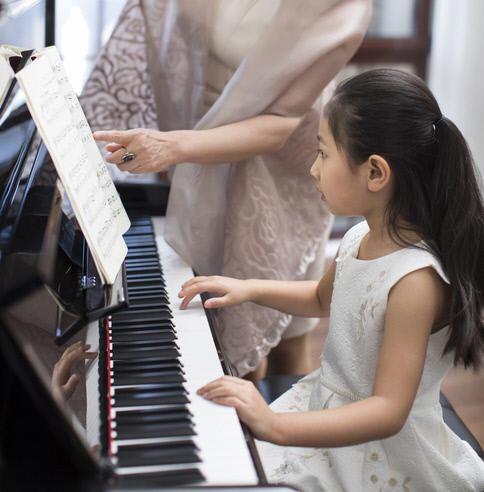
x=245 y=78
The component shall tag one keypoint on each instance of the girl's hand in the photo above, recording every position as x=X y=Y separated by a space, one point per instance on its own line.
x=153 y=151
x=63 y=381
x=246 y=399
x=230 y=291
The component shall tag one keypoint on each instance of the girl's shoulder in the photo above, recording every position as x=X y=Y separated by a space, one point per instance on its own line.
x=396 y=264
x=352 y=238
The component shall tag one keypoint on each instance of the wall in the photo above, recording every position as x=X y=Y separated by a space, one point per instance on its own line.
x=456 y=68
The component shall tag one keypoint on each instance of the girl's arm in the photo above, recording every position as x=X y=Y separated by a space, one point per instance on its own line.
x=155 y=150
x=303 y=298
x=416 y=306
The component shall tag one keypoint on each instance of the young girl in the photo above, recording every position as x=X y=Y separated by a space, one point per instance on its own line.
x=404 y=297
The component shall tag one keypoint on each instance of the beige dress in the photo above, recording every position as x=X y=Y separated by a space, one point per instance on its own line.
x=261 y=217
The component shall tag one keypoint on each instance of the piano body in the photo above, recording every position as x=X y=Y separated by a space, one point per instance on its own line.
x=134 y=420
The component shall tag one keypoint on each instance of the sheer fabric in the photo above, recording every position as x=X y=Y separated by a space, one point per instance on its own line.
x=257 y=218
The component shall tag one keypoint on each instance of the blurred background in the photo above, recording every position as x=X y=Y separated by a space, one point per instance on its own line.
x=440 y=40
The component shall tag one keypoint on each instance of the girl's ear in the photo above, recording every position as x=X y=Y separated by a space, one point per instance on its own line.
x=379 y=173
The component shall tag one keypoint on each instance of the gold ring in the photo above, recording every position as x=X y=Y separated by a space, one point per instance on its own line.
x=128 y=156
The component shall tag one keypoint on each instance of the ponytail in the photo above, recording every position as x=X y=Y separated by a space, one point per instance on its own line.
x=393 y=114
x=457 y=221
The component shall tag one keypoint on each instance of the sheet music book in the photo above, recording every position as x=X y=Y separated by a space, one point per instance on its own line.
x=61 y=122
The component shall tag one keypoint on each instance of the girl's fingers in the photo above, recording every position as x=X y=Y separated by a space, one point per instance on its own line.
x=190 y=291
x=216 y=302
x=220 y=381
x=193 y=281
x=228 y=401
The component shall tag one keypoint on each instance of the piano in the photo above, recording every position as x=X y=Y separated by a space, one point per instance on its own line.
x=134 y=420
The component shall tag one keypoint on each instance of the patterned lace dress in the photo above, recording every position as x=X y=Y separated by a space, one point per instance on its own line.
x=425 y=455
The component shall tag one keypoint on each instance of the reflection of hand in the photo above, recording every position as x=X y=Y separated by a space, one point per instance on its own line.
x=246 y=399
x=62 y=380
x=154 y=151
x=230 y=291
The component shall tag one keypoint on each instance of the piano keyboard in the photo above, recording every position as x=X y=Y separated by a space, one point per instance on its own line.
x=159 y=429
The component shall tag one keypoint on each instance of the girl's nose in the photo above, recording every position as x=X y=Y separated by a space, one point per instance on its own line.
x=314 y=171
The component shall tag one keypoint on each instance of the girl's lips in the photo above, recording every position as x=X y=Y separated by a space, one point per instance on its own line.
x=323 y=197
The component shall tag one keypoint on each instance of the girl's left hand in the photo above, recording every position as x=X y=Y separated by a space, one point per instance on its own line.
x=249 y=403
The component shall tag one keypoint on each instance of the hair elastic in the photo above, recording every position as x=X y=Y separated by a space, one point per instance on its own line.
x=435 y=123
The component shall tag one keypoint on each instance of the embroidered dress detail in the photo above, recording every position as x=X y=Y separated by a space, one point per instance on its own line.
x=425 y=455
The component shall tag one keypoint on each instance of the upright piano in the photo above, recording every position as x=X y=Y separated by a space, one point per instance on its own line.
x=134 y=419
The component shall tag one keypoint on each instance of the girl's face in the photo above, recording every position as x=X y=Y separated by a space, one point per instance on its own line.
x=343 y=187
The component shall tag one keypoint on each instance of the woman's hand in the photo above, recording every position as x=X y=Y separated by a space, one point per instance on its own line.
x=63 y=381
x=246 y=399
x=230 y=291
x=153 y=151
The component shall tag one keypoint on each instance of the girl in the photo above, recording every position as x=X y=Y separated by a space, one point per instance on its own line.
x=404 y=297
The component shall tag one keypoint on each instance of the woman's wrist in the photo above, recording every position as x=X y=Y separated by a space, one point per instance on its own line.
x=183 y=147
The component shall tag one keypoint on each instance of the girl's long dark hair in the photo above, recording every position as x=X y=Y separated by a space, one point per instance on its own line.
x=393 y=114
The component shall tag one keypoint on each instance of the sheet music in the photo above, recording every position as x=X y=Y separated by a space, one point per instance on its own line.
x=91 y=148
x=87 y=192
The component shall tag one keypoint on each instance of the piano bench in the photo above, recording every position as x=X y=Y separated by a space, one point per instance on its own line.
x=273 y=386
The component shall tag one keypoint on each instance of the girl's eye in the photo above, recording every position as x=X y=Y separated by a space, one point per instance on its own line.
x=323 y=155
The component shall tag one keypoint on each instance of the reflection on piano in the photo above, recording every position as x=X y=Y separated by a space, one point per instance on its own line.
x=134 y=419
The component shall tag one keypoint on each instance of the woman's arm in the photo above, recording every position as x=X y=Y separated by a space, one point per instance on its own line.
x=303 y=298
x=155 y=150
x=408 y=324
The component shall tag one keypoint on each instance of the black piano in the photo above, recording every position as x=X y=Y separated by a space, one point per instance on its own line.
x=134 y=419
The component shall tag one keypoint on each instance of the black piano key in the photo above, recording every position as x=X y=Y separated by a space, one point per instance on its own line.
x=133 y=282
x=176 y=427
x=160 y=314
x=143 y=271
x=158 y=454
x=148 y=301
x=132 y=335
x=135 y=309
x=126 y=365
x=140 y=241
x=136 y=377
x=168 y=478
x=150 y=395
x=139 y=263
x=142 y=252
x=143 y=344
x=138 y=353
x=147 y=291
x=118 y=326
x=152 y=415
x=153 y=277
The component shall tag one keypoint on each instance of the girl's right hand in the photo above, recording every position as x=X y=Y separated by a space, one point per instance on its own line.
x=230 y=291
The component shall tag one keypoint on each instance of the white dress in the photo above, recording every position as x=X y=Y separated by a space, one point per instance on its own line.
x=425 y=455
